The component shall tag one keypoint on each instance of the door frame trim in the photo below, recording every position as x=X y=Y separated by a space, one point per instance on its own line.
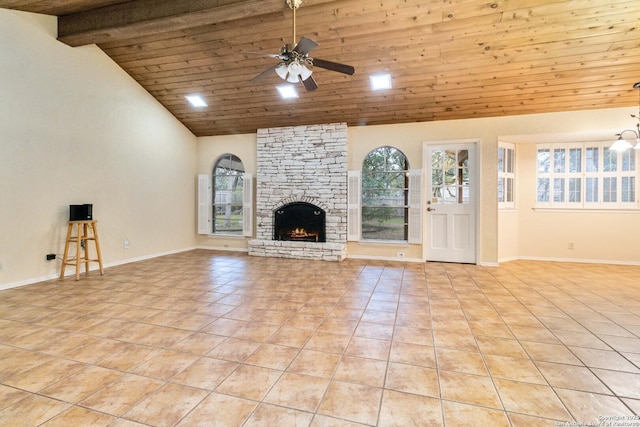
x=476 y=175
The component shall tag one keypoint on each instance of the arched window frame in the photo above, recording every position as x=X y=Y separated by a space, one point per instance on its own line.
x=410 y=205
x=227 y=192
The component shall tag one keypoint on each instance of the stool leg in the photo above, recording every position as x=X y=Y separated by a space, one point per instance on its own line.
x=65 y=257
x=78 y=250
x=97 y=242
x=85 y=240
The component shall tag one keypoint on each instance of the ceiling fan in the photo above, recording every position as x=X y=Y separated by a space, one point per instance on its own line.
x=296 y=65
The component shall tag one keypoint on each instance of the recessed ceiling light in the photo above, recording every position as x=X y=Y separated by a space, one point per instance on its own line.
x=287 y=91
x=196 y=100
x=380 y=81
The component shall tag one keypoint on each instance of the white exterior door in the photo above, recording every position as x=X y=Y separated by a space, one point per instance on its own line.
x=450 y=202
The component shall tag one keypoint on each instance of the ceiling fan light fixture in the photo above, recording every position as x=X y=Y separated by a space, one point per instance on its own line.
x=622 y=144
x=294 y=68
x=305 y=72
x=282 y=71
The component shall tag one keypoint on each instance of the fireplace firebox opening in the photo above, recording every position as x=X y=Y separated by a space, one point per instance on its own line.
x=299 y=221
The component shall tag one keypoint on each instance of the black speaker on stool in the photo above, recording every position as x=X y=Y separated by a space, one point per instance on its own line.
x=81 y=212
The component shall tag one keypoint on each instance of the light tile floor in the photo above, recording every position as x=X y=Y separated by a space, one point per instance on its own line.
x=206 y=338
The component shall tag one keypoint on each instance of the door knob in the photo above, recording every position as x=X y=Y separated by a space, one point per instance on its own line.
x=430 y=209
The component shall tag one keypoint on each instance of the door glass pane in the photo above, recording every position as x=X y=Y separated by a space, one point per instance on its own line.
x=465 y=177
x=450 y=177
x=436 y=177
x=437 y=159
x=465 y=194
x=450 y=160
x=463 y=158
x=450 y=194
x=436 y=194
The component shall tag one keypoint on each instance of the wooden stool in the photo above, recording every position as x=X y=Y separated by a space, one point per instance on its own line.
x=80 y=239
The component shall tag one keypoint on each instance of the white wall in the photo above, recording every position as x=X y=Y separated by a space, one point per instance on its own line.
x=607 y=236
x=75 y=128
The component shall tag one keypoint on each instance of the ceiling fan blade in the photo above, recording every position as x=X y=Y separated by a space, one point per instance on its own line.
x=310 y=84
x=305 y=46
x=265 y=73
x=266 y=55
x=334 y=66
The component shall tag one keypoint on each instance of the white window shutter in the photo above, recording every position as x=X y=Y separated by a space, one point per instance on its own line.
x=354 y=217
x=247 y=205
x=415 y=206
x=204 y=205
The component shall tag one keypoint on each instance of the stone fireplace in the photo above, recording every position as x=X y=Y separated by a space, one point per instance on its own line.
x=301 y=193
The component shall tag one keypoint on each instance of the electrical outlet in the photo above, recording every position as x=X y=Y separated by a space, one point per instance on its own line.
x=570 y=245
x=51 y=257
x=400 y=254
x=126 y=244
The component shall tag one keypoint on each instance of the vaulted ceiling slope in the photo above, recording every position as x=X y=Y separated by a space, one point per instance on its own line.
x=449 y=59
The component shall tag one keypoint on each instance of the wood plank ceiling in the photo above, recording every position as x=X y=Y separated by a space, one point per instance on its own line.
x=449 y=59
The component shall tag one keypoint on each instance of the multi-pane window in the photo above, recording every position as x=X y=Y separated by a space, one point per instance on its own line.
x=228 y=175
x=450 y=177
x=385 y=179
x=586 y=175
x=506 y=175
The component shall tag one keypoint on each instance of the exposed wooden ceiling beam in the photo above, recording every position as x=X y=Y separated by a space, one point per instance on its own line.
x=148 y=17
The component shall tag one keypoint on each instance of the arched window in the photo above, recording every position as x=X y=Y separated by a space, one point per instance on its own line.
x=228 y=201
x=385 y=195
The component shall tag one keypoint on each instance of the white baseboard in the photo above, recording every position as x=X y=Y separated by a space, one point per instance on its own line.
x=383 y=258
x=92 y=267
x=28 y=281
x=489 y=264
x=576 y=260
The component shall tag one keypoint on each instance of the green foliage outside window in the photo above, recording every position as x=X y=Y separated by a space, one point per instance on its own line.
x=227 y=186
x=384 y=194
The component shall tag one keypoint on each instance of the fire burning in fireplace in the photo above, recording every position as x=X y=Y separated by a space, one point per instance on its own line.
x=302 y=234
x=299 y=221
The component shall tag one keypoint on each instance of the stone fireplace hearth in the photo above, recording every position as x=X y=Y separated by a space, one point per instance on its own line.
x=302 y=166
